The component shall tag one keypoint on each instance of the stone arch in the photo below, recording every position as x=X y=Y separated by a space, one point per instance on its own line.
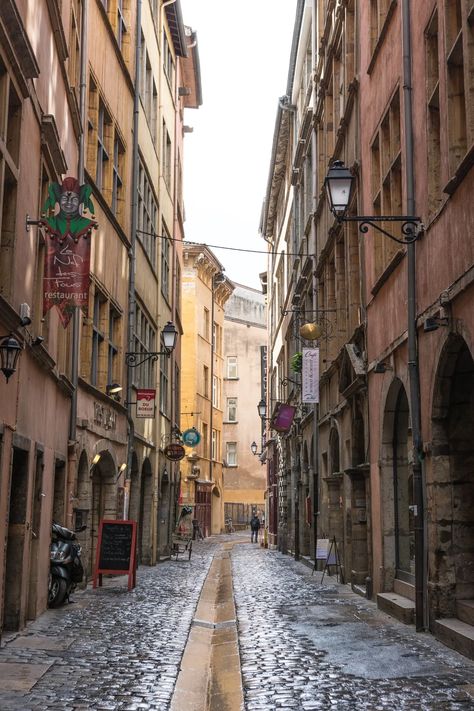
x=134 y=505
x=451 y=488
x=104 y=494
x=397 y=489
x=165 y=514
x=334 y=482
x=305 y=497
x=146 y=514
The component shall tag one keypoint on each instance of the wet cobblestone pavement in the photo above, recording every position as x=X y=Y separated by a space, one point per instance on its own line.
x=125 y=647
x=305 y=646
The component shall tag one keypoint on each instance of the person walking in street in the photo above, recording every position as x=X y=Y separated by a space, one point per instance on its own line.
x=254 y=527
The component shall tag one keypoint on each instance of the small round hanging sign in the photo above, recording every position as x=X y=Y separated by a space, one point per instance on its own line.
x=191 y=437
x=174 y=451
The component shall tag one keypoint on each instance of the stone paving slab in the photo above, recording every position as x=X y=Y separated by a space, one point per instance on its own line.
x=20 y=677
x=40 y=642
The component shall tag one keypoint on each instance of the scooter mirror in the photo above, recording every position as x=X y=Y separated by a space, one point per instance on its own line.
x=81 y=528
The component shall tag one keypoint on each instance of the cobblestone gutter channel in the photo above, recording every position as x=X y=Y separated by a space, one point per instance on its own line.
x=210 y=677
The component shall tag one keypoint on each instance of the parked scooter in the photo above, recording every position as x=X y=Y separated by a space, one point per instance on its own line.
x=66 y=569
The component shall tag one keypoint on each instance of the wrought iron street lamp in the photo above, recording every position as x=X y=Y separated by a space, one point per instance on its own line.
x=9 y=352
x=262 y=409
x=169 y=335
x=339 y=183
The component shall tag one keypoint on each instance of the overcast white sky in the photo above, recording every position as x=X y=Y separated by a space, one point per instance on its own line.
x=244 y=50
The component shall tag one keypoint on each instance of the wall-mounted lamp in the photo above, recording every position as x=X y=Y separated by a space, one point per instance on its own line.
x=95 y=460
x=9 y=353
x=113 y=390
x=432 y=323
x=254 y=450
x=382 y=367
x=121 y=469
x=339 y=183
x=262 y=409
x=169 y=335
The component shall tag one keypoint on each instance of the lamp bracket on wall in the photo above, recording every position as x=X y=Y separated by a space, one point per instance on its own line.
x=411 y=227
x=284 y=382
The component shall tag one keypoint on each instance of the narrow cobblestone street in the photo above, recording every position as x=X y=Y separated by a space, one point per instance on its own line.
x=303 y=645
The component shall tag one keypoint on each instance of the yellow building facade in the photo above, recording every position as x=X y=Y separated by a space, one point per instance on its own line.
x=205 y=291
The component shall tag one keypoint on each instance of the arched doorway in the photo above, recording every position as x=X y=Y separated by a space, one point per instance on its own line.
x=134 y=503
x=164 y=512
x=397 y=490
x=451 y=562
x=335 y=520
x=357 y=516
x=305 y=503
x=104 y=496
x=145 y=515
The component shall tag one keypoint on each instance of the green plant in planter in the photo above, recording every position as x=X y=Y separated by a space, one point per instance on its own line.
x=296 y=363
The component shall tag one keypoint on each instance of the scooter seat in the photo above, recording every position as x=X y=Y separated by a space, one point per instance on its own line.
x=63 y=532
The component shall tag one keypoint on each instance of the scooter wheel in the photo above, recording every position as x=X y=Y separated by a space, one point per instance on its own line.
x=57 y=592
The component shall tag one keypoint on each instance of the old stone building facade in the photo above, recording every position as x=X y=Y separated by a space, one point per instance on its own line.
x=382 y=462
x=75 y=76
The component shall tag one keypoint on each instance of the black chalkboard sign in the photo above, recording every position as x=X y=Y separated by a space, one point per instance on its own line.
x=116 y=550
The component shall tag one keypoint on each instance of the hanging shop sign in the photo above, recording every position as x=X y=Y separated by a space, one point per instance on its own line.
x=68 y=247
x=282 y=418
x=310 y=375
x=146 y=402
x=191 y=437
x=174 y=451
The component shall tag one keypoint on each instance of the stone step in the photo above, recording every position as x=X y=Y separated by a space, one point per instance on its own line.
x=465 y=611
x=404 y=589
x=397 y=606
x=455 y=634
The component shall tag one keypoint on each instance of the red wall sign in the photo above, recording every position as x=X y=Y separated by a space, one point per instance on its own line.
x=146 y=402
x=68 y=247
x=174 y=451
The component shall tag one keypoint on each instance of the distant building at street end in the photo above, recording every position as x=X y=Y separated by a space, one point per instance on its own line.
x=245 y=338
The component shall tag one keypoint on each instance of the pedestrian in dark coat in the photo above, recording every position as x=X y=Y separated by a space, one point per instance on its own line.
x=254 y=527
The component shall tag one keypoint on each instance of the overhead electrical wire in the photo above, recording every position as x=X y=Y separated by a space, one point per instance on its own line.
x=219 y=246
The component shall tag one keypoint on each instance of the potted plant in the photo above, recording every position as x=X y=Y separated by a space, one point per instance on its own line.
x=296 y=363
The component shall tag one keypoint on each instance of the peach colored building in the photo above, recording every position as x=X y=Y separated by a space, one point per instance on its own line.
x=245 y=343
x=69 y=452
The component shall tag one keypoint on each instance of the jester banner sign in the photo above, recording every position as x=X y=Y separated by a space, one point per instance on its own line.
x=68 y=247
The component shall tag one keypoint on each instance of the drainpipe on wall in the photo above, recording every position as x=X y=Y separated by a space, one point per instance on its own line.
x=314 y=147
x=76 y=322
x=133 y=238
x=76 y=319
x=413 y=364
